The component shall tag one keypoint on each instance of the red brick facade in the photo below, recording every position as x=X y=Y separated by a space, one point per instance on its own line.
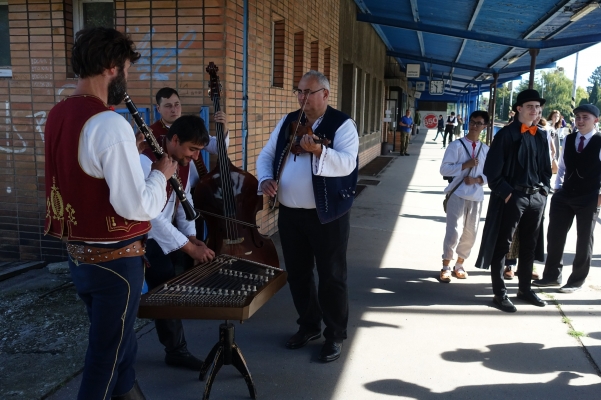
x=177 y=40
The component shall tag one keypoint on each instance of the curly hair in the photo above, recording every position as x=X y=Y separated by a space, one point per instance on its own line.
x=97 y=49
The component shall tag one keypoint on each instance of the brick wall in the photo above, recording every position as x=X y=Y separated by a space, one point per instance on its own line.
x=177 y=39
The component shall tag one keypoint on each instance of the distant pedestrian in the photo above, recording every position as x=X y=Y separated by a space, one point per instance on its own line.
x=511 y=117
x=440 y=130
x=418 y=121
x=405 y=128
x=463 y=160
x=449 y=129
x=577 y=196
x=459 y=127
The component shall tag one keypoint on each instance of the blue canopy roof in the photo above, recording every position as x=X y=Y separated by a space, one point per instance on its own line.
x=465 y=42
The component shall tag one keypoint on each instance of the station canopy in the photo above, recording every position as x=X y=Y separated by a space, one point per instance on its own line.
x=465 y=42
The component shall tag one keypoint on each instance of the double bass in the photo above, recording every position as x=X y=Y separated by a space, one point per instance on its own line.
x=228 y=201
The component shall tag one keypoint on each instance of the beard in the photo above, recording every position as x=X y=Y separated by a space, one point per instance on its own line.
x=117 y=89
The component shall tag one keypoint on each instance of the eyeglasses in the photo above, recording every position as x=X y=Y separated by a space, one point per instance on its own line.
x=306 y=92
x=474 y=123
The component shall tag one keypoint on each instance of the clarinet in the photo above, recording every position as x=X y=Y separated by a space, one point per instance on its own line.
x=191 y=213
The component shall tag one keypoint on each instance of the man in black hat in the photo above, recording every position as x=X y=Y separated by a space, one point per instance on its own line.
x=518 y=171
x=577 y=194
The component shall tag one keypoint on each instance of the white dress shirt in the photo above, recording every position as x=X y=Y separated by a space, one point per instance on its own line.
x=454 y=157
x=561 y=168
x=112 y=155
x=163 y=230
x=295 y=188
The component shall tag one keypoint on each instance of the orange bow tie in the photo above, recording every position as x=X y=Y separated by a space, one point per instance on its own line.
x=531 y=129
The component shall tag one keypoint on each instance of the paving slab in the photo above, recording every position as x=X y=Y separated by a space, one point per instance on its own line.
x=410 y=336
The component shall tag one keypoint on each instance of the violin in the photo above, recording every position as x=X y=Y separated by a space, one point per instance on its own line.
x=296 y=130
x=300 y=131
x=228 y=201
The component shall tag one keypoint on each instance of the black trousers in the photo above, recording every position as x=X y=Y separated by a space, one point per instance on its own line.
x=561 y=216
x=525 y=210
x=170 y=331
x=448 y=131
x=306 y=244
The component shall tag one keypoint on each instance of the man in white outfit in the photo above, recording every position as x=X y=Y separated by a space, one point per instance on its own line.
x=463 y=160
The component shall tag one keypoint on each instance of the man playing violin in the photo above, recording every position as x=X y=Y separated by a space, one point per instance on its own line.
x=316 y=191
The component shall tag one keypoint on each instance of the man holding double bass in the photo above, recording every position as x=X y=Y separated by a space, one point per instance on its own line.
x=315 y=187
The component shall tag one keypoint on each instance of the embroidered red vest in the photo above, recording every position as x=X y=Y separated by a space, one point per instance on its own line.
x=77 y=205
x=160 y=133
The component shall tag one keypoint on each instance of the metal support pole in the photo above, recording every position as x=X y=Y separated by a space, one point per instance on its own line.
x=574 y=90
x=533 y=54
x=492 y=107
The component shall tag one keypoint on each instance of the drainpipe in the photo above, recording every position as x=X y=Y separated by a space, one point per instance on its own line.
x=245 y=89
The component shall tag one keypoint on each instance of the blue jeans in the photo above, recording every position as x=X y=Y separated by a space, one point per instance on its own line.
x=111 y=293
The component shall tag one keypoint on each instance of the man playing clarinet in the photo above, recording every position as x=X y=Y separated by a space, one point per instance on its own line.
x=90 y=147
x=316 y=191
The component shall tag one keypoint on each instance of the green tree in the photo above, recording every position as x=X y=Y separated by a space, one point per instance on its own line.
x=595 y=78
x=555 y=88
x=593 y=97
x=502 y=106
x=581 y=96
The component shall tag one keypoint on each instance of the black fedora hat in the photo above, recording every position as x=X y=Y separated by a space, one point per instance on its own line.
x=526 y=96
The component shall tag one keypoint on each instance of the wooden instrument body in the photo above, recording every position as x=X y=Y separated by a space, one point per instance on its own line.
x=226 y=237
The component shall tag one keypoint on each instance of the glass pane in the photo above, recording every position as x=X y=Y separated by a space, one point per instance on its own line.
x=4 y=37
x=98 y=14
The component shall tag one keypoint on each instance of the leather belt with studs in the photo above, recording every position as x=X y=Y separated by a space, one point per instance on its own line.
x=90 y=254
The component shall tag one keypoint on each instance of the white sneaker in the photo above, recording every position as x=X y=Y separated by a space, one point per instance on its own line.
x=569 y=289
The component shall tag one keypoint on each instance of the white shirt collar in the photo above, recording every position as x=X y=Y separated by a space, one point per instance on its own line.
x=587 y=136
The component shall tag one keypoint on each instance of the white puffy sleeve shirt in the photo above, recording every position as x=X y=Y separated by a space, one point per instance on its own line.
x=107 y=150
x=167 y=236
x=296 y=185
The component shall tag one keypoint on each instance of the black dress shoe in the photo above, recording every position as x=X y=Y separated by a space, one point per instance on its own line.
x=531 y=298
x=183 y=359
x=301 y=338
x=134 y=394
x=546 y=282
x=504 y=303
x=330 y=351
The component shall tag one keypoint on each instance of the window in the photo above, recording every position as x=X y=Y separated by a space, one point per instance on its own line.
x=315 y=56
x=299 y=65
x=4 y=41
x=91 y=13
x=327 y=62
x=278 y=55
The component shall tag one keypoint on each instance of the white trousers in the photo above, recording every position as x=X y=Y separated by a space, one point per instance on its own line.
x=463 y=218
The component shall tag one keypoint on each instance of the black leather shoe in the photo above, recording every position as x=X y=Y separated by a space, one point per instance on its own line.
x=301 y=338
x=504 y=303
x=546 y=282
x=183 y=359
x=531 y=298
x=330 y=351
x=134 y=394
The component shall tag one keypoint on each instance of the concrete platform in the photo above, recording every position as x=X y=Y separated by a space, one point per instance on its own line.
x=410 y=336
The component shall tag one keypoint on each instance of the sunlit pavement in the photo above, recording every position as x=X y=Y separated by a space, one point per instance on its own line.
x=410 y=336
